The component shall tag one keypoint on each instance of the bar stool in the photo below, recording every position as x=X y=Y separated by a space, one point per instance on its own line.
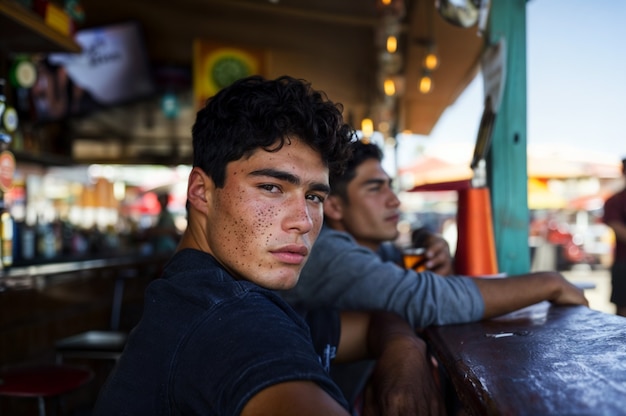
x=42 y=381
x=104 y=345
x=100 y=344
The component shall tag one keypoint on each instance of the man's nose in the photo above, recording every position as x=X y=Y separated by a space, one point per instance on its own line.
x=393 y=199
x=299 y=217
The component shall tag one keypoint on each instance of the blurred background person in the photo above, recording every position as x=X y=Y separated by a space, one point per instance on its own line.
x=164 y=236
x=615 y=217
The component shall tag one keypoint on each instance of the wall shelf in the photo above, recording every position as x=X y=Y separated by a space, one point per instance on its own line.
x=23 y=31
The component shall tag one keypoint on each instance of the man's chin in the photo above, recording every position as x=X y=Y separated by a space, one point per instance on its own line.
x=282 y=283
x=393 y=235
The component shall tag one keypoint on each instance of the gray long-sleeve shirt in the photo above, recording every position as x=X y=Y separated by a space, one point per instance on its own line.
x=342 y=274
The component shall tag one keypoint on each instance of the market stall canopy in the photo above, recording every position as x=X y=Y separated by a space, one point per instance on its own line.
x=336 y=45
x=441 y=168
x=428 y=170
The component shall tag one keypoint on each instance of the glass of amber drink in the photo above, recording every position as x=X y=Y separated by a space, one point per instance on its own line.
x=414 y=258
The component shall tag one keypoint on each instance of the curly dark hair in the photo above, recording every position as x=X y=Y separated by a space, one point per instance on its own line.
x=359 y=153
x=257 y=113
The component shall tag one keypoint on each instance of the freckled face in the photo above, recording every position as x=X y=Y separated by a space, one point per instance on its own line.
x=264 y=221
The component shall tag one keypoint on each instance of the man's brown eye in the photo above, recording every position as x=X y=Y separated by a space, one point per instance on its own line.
x=318 y=198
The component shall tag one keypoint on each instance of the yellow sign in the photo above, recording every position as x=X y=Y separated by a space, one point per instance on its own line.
x=216 y=67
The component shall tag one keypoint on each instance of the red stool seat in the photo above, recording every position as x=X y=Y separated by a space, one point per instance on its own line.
x=42 y=380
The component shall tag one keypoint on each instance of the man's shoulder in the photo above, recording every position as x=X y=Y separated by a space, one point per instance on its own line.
x=616 y=200
x=196 y=279
x=619 y=195
x=330 y=233
x=331 y=240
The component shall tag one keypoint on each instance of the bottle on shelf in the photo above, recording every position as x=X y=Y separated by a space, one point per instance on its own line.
x=6 y=235
x=8 y=126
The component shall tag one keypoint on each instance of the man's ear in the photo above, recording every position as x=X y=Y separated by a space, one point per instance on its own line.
x=200 y=188
x=333 y=207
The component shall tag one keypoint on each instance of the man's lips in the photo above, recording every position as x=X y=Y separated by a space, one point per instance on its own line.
x=393 y=218
x=291 y=254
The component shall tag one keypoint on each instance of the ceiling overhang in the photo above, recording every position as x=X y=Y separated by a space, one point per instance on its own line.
x=330 y=43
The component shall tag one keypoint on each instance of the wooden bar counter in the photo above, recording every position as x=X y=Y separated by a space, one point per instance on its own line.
x=542 y=360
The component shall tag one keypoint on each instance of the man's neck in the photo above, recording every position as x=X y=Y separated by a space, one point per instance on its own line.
x=374 y=246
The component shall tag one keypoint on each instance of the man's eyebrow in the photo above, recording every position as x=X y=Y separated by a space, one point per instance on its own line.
x=378 y=181
x=320 y=187
x=291 y=178
x=278 y=174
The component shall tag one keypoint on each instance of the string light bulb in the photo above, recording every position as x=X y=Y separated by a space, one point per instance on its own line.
x=367 y=127
x=425 y=83
x=389 y=87
x=431 y=60
x=392 y=44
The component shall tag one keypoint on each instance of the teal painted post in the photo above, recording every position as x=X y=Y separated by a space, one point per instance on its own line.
x=507 y=158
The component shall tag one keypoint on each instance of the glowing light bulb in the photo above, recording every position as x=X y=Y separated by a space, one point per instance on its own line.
x=392 y=44
x=390 y=87
x=431 y=61
x=367 y=127
x=425 y=84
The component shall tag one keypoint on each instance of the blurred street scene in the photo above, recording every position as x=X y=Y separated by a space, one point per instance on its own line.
x=599 y=295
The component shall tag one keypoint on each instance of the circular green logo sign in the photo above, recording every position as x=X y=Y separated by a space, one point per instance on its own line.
x=229 y=69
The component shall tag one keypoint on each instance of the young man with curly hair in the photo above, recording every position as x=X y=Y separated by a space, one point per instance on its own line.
x=215 y=338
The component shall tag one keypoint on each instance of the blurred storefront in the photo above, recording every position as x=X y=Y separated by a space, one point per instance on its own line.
x=62 y=213
x=566 y=193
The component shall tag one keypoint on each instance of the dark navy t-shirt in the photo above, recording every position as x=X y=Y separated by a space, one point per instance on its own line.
x=207 y=343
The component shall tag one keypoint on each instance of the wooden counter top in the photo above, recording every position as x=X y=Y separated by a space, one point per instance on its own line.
x=544 y=360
